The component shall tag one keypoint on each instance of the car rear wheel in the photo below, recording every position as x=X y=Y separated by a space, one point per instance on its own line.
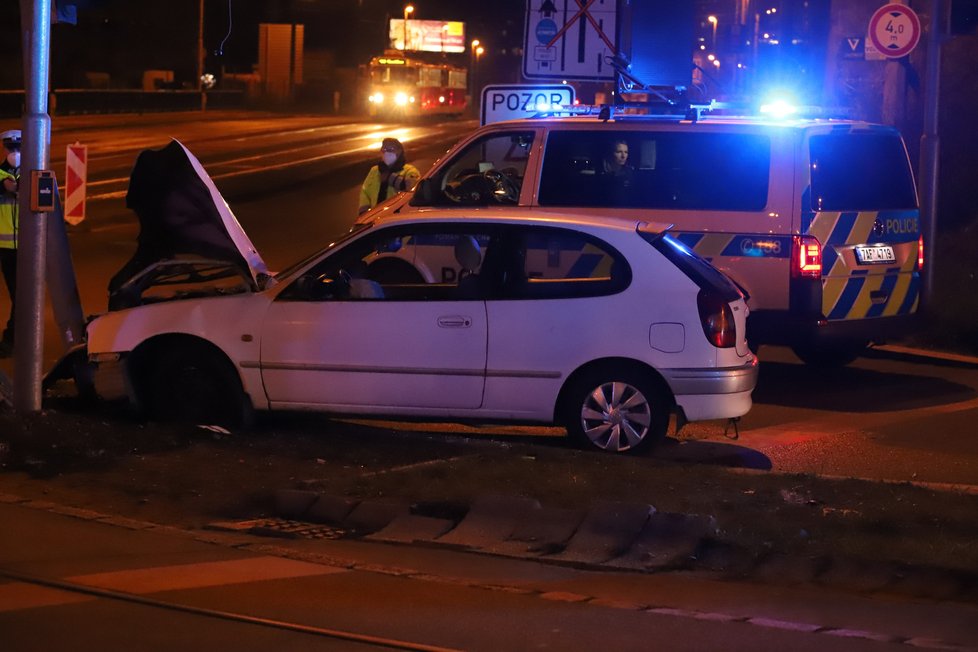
x=193 y=383
x=617 y=412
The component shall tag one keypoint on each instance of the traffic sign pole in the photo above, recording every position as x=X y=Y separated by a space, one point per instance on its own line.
x=930 y=144
x=29 y=322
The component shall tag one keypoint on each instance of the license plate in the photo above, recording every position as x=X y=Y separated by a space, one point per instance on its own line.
x=875 y=255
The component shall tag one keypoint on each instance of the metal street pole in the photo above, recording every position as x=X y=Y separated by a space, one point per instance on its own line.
x=200 y=59
x=930 y=143
x=32 y=227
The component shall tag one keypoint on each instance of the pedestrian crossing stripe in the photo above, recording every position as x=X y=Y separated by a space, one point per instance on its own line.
x=142 y=581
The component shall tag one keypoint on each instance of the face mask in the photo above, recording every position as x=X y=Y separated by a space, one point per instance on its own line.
x=13 y=159
x=389 y=158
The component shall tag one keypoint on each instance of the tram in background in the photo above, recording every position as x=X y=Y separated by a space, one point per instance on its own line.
x=396 y=86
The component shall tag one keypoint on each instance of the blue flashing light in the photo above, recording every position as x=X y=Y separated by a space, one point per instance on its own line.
x=779 y=108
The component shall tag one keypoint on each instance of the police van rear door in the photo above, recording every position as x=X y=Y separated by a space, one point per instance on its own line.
x=859 y=200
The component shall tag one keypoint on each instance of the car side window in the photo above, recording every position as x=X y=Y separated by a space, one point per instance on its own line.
x=679 y=170
x=489 y=171
x=400 y=265
x=554 y=263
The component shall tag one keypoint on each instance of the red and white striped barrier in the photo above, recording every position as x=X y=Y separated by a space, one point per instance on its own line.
x=76 y=176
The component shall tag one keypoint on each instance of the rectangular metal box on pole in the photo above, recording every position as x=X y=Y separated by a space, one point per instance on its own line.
x=656 y=38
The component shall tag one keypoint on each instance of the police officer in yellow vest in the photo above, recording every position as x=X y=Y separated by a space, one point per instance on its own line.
x=389 y=177
x=10 y=176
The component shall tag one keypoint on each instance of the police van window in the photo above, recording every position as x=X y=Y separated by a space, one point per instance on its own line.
x=559 y=264
x=426 y=264
x=665 y=170
x=854 y=171
x=488 y=171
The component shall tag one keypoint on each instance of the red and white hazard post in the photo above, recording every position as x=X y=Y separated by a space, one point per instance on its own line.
x=76 y=176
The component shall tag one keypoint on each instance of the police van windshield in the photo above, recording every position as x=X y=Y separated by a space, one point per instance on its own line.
x=860 y=171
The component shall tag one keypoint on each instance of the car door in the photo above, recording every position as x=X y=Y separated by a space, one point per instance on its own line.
x=394 y=320
x=557 y=309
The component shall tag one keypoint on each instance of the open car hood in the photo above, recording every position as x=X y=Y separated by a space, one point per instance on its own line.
x=187 y=232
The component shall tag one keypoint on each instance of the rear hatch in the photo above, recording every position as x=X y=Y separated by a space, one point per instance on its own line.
x=715 y=289
x=861 y=205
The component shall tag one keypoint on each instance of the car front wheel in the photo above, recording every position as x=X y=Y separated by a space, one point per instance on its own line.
x=193 y=383
x=617 y=412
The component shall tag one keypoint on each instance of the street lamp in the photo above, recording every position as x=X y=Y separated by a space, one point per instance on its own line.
x=408 y=10
x=475 y=51
x=713 y=21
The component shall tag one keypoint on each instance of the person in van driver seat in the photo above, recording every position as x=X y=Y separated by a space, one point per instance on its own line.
x=392 y=175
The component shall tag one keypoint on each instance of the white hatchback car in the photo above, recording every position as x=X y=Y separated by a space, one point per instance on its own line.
x=603 y=325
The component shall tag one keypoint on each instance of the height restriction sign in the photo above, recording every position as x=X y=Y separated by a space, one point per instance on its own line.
x=894 y=30
x=569 y=39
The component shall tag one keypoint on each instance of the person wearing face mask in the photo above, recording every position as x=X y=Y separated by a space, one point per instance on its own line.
x=389 y=177
x=10 y=175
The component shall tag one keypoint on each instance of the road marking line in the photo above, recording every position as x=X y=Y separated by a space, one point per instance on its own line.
x=194 y=576
x=324 y=632
x=15 y=596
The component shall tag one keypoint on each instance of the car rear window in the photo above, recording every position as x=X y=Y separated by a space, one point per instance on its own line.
x=664 y=170
x=860 y=171
x=698 y=269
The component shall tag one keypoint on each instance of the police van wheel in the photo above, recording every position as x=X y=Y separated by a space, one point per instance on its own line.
x=830 y=354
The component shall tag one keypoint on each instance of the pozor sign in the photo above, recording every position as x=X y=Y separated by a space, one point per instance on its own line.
x=509 y=102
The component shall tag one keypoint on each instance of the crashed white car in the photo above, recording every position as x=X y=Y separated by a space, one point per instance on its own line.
x=606 y=326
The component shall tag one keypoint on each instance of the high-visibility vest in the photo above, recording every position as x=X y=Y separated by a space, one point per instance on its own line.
x=370 y=189
x=8 y=214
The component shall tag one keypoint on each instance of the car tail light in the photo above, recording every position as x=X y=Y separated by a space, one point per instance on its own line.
x=717 y=318
x=806 y=257
x=920 y=253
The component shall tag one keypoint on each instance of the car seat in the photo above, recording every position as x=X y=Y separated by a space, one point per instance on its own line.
x=468 y=255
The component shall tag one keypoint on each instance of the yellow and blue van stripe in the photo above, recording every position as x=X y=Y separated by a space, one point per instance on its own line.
x=751 y=245
x=884 y=290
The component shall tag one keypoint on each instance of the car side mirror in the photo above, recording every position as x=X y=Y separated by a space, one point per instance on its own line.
x=424 y=193
x=313 y=287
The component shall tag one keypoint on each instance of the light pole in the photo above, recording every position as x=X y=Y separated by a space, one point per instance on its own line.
x=475 y=44
x=474 y=50
x=713 y=21
x=200 y=58
x=408 y=10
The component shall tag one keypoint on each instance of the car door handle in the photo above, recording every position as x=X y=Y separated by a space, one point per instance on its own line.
x=454 y=321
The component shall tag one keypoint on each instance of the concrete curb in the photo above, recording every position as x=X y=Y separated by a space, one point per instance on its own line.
x=627 y=535
x=608 y=530
x=609 y=535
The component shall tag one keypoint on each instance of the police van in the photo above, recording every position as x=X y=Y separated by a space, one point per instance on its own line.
x=817 y=220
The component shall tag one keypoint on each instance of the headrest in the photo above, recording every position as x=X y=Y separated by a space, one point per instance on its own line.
x=467 y=253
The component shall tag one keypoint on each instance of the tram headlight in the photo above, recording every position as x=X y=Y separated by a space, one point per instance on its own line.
x=401 y=99
x=377 y=98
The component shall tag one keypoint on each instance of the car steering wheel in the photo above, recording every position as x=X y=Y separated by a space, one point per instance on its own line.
x=505 y=189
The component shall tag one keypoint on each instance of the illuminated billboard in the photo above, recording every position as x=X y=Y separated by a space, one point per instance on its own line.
x=428 y=35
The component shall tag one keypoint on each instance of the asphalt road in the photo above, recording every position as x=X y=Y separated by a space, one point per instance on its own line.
x=76 y=582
